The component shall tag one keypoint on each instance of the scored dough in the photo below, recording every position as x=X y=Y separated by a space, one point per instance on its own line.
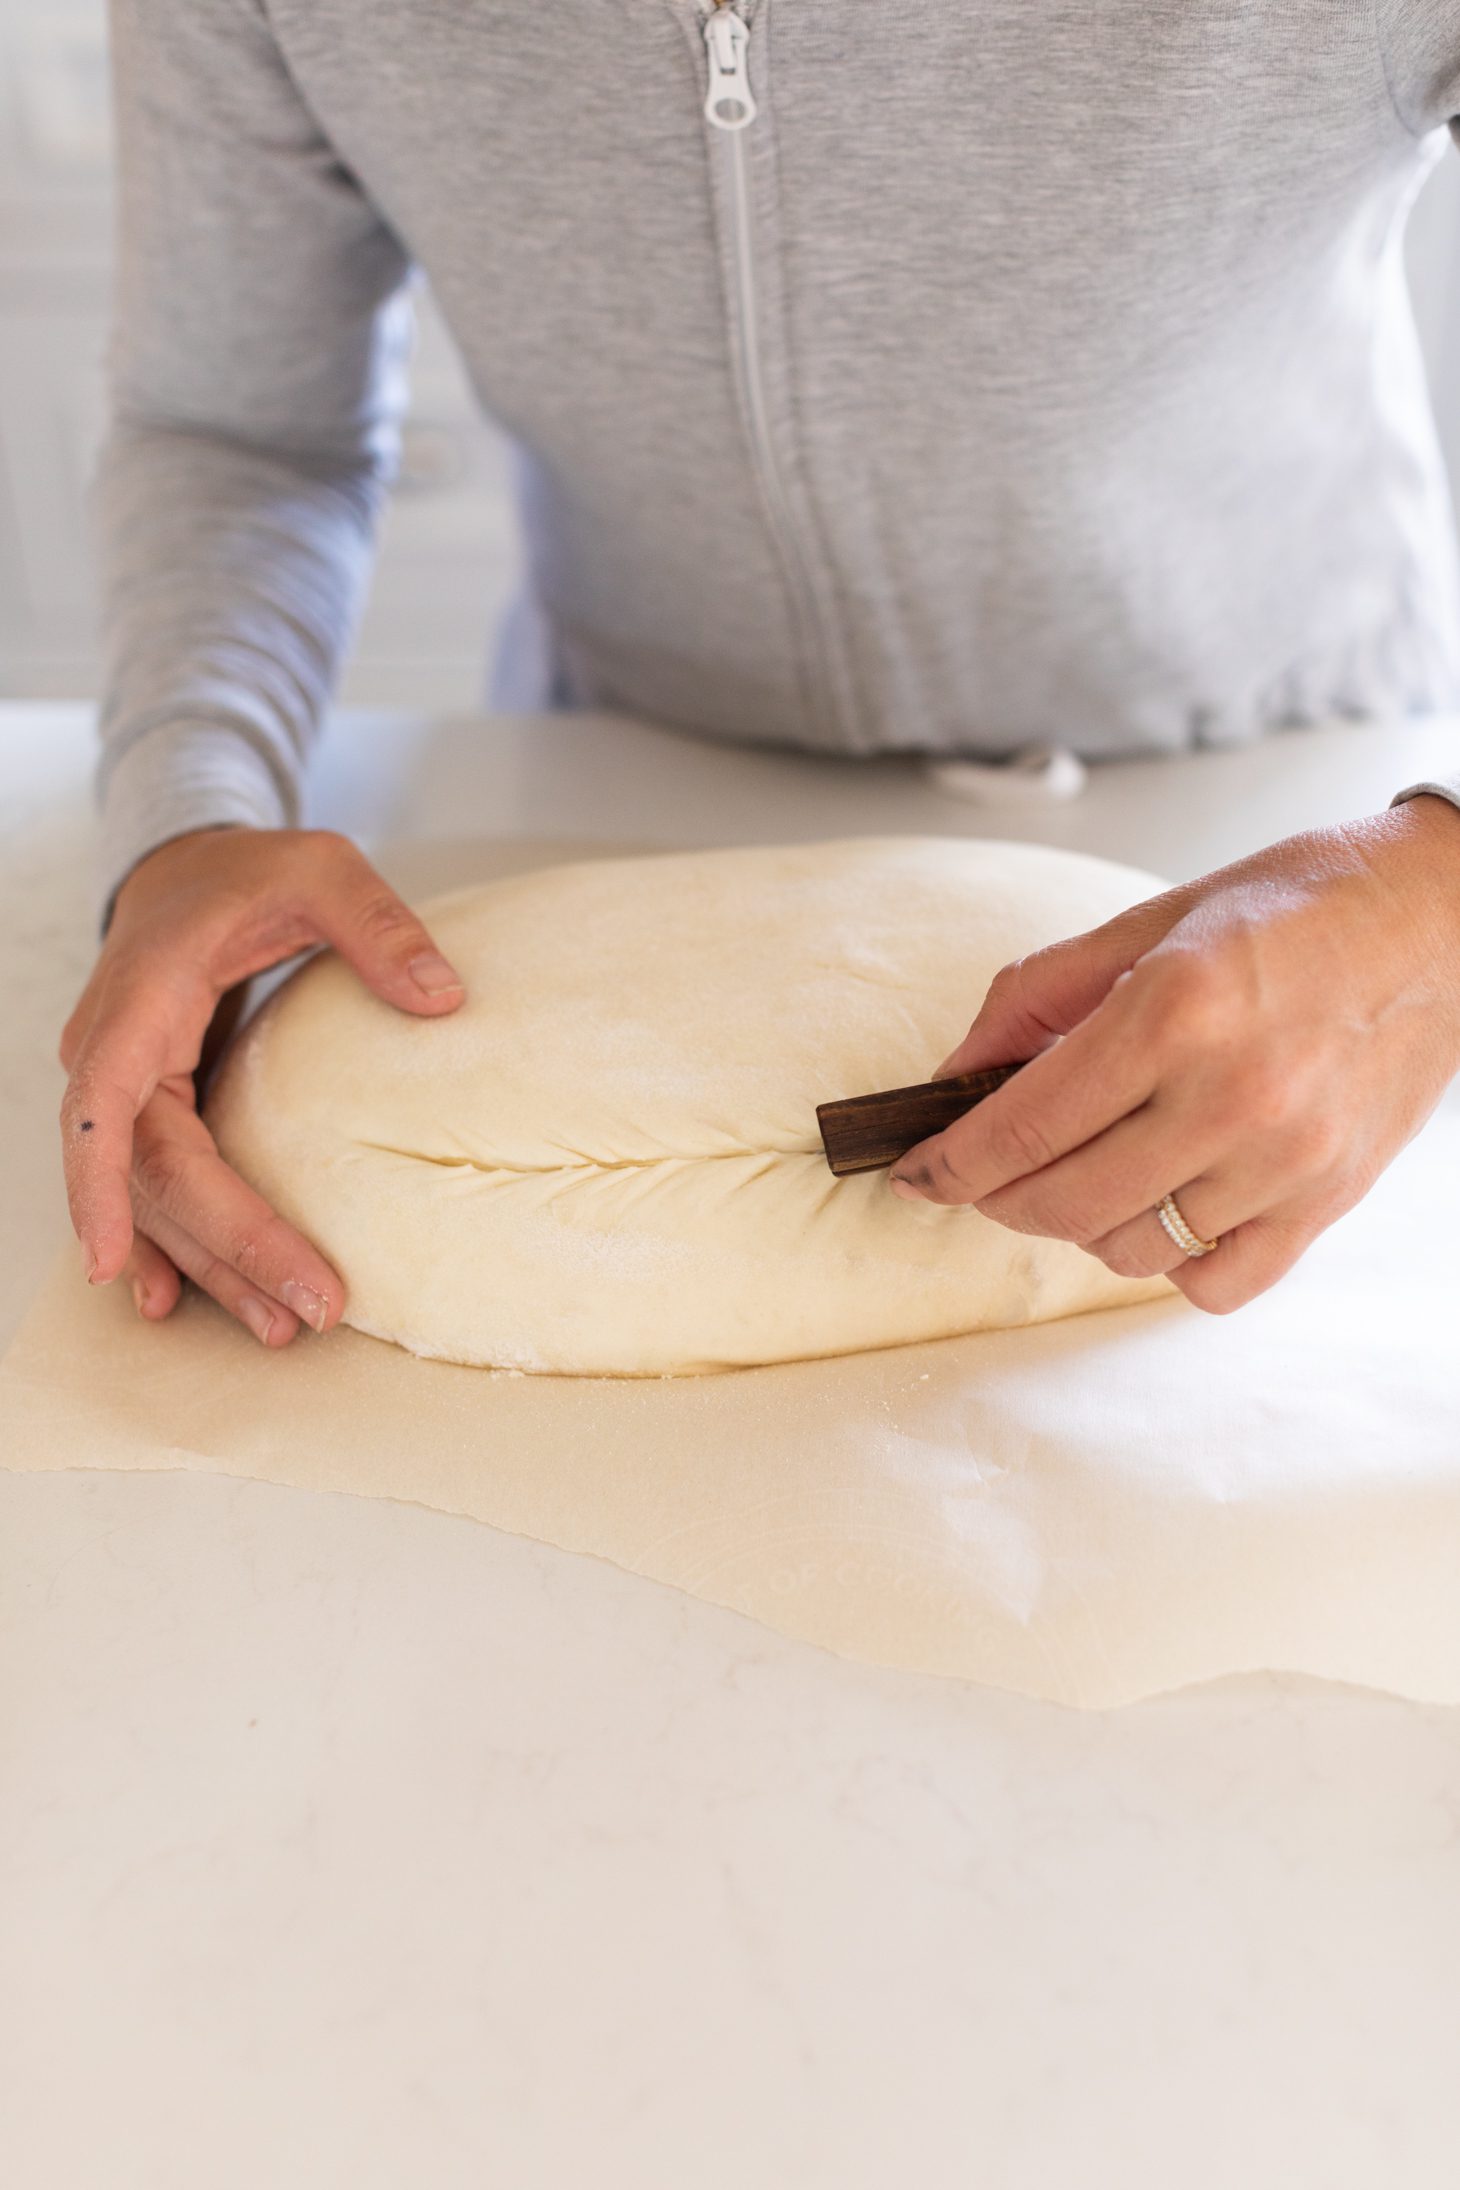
x=607 y=1161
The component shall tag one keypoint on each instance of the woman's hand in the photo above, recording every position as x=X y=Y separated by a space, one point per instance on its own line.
x=151 y=1198
x=1260 y=1043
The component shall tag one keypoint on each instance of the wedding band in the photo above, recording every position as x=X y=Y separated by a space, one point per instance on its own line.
x=1179 y=1231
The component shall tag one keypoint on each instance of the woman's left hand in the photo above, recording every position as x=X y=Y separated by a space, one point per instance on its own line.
x=1260 y=1043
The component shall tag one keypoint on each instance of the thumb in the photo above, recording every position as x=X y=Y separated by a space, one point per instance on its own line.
x=360 y=914
x=1032 y=1001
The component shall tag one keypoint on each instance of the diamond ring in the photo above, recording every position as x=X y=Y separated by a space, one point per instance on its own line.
x=1179 y=1231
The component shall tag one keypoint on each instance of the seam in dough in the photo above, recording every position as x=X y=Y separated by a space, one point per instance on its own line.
x=583 y=1163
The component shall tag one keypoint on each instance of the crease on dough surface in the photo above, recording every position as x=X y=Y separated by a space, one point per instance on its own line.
x=574 y=1165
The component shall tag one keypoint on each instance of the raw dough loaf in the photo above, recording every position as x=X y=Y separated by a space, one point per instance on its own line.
x=607 y=1161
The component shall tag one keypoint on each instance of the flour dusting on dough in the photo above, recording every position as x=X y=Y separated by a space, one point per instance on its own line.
x=606 y=1162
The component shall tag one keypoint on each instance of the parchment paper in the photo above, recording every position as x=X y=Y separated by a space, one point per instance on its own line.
x=1086 y=1511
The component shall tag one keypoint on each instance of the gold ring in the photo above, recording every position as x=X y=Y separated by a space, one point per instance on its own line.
x=1179 y=1231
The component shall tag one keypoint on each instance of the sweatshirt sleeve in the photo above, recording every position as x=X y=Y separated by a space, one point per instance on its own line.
x=1420 y=45
x=260 y=326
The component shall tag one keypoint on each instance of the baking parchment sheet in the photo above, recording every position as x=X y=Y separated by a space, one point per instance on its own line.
x=1088 y=1511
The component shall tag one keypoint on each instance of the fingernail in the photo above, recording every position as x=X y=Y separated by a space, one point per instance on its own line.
x=310 y=1307
x=904 y=1188
x=139 y=1298
x=88 y=1262
x=941 y=1072
x=432 y=975
x=258 y=1318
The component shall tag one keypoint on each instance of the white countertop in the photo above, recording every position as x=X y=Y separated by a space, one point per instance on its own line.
x=348 y=1843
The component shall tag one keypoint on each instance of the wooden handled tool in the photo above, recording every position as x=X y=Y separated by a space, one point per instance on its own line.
x=866 y=1132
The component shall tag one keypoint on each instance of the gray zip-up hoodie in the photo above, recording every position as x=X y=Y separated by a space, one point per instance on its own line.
x=939 y=374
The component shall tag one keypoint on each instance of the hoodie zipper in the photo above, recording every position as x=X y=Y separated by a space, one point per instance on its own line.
x=730 y=109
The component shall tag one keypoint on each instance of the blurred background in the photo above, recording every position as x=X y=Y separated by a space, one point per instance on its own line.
x=449 y=546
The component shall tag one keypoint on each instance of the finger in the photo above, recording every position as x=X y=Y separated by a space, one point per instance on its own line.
x=1249 y=1259
x=1213 y=1205
x=96 y=1151
x=267 y=1320
x=116 y=1070
x=1059 y=1101
x=1105 y=1193
x=1033 y=1000
x=360 y=914
x=1268 y=1224
x=179 y=1177
x=154 y=1282
x=74 y=1032
x=1231 y=1176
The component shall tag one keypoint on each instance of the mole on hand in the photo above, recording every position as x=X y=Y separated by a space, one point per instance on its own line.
x=87 y=1124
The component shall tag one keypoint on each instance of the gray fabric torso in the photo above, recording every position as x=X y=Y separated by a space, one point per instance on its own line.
x=1019 y=373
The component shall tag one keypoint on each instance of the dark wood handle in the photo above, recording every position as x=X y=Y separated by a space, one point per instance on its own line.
x=867 y=1132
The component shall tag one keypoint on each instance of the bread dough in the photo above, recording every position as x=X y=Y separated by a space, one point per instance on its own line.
x=607 y=1161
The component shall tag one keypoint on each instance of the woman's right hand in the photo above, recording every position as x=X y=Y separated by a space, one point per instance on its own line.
x=151 y=1199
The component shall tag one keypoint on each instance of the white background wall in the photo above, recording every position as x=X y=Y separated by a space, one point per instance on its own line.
x=449 y=546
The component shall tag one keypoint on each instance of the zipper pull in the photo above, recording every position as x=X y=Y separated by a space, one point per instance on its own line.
x=728 y=103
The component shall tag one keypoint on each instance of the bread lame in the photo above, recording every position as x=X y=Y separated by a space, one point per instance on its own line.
x=868 y=1132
